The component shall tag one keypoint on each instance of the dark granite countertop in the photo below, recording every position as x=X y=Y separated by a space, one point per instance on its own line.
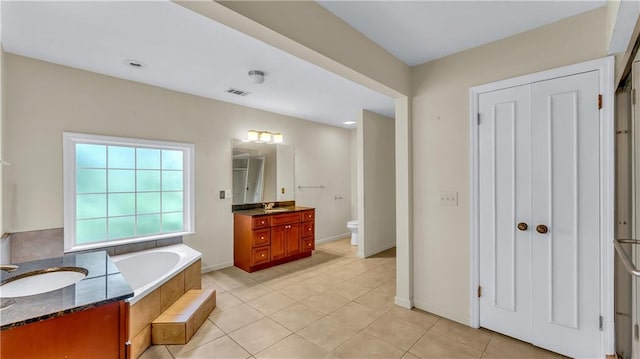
x=103 y=284
x=276 y=210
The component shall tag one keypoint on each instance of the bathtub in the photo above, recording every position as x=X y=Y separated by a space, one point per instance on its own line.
x=149 y=269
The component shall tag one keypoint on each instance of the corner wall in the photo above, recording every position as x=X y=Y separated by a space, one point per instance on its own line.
x=441 y=249
x=46 y=99
x=376 y=184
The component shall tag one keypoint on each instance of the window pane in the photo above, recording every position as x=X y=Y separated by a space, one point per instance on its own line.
x=91 y=156
x=91 y=230
x=122 y=204
x=148 y=202
x=122 y=181
x=122 y=157
x=91 y=206
x=149 y=224
x=148 y=181
x=171 y=222
x=91 y=181
x=148 y=159
x=172 y=180
x=171 y=201
x=121 y=227
x=171 y=160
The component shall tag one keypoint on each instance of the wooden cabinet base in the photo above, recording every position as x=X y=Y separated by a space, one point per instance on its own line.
x=93 y=333
x=275 y=262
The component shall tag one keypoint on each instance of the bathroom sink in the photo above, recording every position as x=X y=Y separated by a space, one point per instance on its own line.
x=277 y=210
x=41 y=281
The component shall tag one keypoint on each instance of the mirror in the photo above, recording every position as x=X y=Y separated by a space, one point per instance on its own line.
x=262 y=172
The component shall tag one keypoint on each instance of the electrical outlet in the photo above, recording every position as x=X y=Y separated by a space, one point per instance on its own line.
x=448 y=198
x=222 y=192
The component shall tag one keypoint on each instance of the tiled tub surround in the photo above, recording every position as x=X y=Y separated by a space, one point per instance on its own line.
x=103 y=284
x=155 y=296
x=49 y=243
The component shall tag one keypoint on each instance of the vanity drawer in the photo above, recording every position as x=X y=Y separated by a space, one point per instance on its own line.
x=285 y=218
x=308 y=244
x=260 y=255
x=261 y=237
x=307 y=229
x=261 y=222
x=309 y=215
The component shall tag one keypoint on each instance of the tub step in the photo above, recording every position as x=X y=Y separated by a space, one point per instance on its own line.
x=182 y=319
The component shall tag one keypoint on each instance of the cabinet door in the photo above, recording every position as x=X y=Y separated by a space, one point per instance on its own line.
x=278 y=242
x=293 y=237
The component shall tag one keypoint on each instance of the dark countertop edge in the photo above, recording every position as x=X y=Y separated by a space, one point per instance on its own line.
x=65 y=312
x=262 y=212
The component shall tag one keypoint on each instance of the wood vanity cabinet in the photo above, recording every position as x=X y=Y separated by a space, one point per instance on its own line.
x=99 y=332
x=265 y=240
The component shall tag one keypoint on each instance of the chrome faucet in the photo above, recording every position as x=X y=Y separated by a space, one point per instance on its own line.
x=268 y=205
x=8 y=267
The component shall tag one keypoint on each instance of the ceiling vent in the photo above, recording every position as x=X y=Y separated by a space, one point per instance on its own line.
x=231 y=90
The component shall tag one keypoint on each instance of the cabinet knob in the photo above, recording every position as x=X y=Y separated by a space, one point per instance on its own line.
x=263 y=255
x=262 y=237
x=522 y=226
x=262 y=222
x=542 y=229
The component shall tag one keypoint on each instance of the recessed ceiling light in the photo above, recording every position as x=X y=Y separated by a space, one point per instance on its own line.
x=349 y=122
x=135 y=64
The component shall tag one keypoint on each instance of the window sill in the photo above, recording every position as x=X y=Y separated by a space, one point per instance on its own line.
x=114 y=243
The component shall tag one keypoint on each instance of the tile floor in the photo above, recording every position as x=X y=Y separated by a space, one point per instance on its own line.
x=331 y=305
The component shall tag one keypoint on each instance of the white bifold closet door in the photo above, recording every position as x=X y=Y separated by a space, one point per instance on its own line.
x=539 y=181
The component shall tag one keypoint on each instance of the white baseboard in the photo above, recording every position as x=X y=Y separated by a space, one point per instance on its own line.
x=370 y=252
x=214 y=267
x=333 y=238
x=404 y=302
x=445 y=313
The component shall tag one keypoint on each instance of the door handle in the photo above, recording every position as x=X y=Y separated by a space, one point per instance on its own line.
x=542 y=229
x=522 y=226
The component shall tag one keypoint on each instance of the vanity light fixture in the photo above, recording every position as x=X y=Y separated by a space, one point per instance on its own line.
x=252 y=135
x=265 y=136
x=349 y=122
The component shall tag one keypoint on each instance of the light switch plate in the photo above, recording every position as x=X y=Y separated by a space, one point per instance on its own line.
x=448 y=198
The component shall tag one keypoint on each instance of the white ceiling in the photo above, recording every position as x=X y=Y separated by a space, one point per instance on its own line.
x=189 y=53
x=185 y=52
x=420 y=31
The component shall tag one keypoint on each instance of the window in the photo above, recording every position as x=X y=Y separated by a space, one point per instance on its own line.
x=122 y=190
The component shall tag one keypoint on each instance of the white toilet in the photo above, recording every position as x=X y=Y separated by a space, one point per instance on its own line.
x=353 y=227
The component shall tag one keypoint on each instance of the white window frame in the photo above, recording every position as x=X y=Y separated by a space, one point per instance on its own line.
x=70 y=140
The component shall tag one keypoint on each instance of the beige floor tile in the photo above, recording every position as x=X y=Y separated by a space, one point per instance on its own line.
x=300 y=290
x=415 y=316
x=209 y=283
x=356 y=316
x=208 y=332
x=271 y=303
x=503 y=347
x=296 y=316
x=326 y=302
x=371 y=279
x=388 y=287
x=367 y=346
x=477 y=338
x=247 y=293
x=229 y=282
x=396 y=331
x=408 y=355
x=267 y=275
x=156 y=352
x=234 y=318
x=327 y=333
x=257 y=336
x=221 y=348
x=348 y=290
x=226 y=301
x=293 y=347
x=434 y=345
x=377 y=300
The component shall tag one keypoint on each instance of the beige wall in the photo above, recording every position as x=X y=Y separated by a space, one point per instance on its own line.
x=441 y=145
x=376 y=184
x=47 y=99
